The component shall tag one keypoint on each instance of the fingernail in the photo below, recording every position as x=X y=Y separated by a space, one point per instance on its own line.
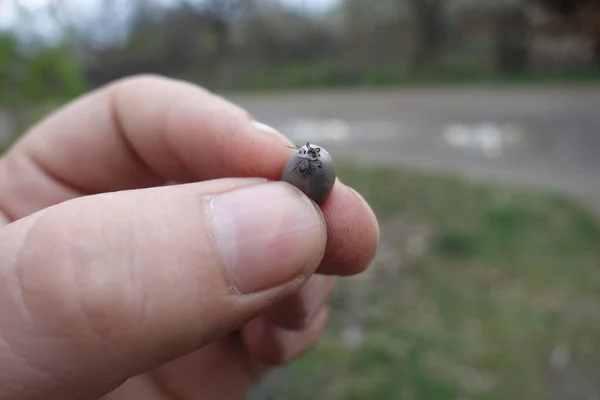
x=264 y=127
x=268 y=234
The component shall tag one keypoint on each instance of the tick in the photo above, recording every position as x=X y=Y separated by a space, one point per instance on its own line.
x=311 y=170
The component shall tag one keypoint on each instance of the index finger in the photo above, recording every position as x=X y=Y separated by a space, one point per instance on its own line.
x=148 y=131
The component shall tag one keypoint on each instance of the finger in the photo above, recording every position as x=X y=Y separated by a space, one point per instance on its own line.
x=275 y=346
x=300 y=309
x=225 y=369
x=152 y=275
x=220 y=370
x=138 y=132
x=352 y=232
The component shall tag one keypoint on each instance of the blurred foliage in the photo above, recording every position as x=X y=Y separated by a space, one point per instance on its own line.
x=253 y=44
x=9 y=67
x=31 y=78
x=50 y=73
x=477 y=292
x=264 y=43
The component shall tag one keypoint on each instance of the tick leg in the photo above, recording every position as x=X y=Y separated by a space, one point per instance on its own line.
x=300 y=149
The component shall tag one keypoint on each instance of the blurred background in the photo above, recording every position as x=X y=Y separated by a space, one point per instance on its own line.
x=470 y=126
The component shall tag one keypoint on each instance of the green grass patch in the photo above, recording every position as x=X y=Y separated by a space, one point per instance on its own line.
x=477 y=292
x=330 y=74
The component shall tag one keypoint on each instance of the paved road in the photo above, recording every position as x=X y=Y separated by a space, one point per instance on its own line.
x=542 y=136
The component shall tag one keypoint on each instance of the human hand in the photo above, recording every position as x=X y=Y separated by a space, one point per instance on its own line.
x=141 y=258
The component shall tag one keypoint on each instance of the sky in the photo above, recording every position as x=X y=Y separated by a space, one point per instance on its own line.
x=42 y=26
x=7 y=9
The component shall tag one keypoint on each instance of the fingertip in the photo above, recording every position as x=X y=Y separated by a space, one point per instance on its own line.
x=266 y=235
x=352 y=231
x=374 y=222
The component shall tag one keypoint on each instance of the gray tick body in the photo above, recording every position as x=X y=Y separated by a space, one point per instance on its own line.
x=311 y=170
x=306 y=165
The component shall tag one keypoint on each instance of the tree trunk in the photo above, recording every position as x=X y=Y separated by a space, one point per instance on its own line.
x=430 y=27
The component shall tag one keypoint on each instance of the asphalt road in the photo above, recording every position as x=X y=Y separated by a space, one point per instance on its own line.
x=536 y=136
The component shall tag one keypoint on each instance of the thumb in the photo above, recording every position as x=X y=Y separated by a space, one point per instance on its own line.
x=102 y=288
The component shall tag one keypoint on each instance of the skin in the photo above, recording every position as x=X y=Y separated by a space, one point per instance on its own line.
x=92 y=308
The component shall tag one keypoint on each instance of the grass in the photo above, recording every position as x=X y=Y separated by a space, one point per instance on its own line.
x=334 y=75
x=477 y=292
